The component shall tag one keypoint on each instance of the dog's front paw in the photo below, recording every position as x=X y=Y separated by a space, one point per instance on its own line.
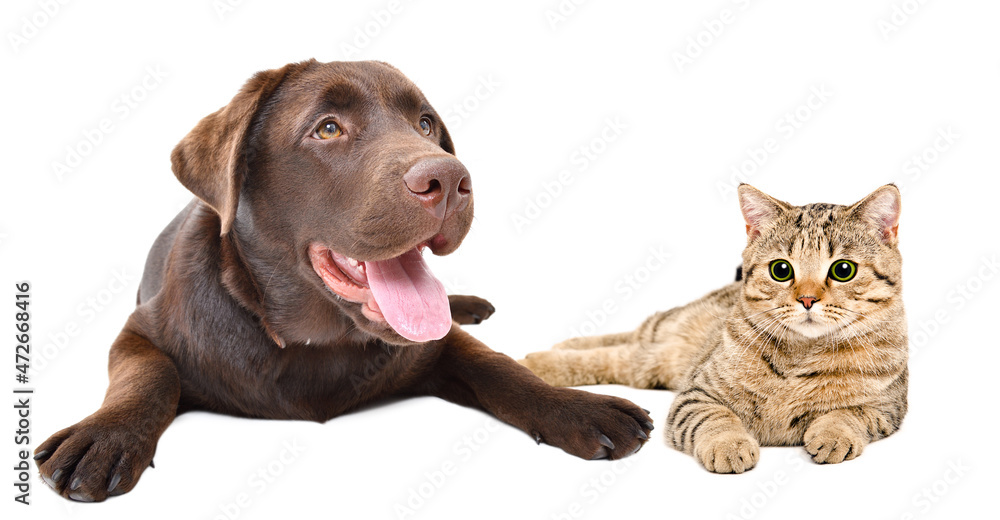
x=592 y=426
x=469 y=310
x=94 y=459
x=730 y=451
x=831 y=442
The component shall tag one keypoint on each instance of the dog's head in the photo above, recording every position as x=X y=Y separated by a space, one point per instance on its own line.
x=348 y=168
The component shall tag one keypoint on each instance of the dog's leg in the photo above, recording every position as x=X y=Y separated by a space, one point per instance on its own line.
x=590 y=426
x=469 y=310
x=104 y=454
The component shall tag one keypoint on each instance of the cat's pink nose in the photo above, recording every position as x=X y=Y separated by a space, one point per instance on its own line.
x=807 y=301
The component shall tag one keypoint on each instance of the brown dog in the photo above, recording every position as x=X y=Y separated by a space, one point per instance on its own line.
x=293 y=286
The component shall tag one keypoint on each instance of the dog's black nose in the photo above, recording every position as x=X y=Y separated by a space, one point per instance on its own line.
x=442 y=185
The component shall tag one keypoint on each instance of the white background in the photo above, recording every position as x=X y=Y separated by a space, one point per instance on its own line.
x=891 y=93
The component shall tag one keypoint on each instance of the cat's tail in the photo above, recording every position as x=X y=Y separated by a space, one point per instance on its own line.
x=639 y=358
x=585 y=361
x=589 y=342
x=658 y=354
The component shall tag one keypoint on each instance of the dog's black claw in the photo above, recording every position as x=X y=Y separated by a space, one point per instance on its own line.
x=41 y=455
x=55 y=476
x=538 y=438
x=647 y=411
x=73 y=486
x=114 y=482
x=648 y=425
x=643 y=436
x=152 y=465
x=606 y=442
x=601 y=454
x=81 y=497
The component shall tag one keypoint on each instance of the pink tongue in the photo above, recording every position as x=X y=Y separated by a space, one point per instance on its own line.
x=411 y=299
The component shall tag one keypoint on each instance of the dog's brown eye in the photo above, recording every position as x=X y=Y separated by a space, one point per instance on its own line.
x=425 y=126
x=328 y=130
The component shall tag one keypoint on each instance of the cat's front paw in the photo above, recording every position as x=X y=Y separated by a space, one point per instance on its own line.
x=831 y=443
x=728 y=452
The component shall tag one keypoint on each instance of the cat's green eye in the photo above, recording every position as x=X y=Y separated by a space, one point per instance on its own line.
x=781 y=270
x=843 y=270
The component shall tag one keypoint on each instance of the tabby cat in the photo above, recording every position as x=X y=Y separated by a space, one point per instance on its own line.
x=807 y=348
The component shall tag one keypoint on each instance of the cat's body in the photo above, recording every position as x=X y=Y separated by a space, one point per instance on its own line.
x=810 y=360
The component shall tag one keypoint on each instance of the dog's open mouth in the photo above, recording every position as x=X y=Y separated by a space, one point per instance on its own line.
x=400 y=291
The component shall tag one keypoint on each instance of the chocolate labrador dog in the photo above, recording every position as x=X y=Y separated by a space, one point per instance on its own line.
x=293 y=287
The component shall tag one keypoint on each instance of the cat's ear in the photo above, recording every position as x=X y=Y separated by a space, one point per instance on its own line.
x=759 y=209
x=881 y=211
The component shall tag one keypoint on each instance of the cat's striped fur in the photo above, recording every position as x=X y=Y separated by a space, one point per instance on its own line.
x=810 y=361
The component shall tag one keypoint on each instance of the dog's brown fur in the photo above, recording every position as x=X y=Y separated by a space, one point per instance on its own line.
x=232 y=318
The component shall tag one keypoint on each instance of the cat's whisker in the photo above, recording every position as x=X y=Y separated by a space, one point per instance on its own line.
x=740 y=318
x=756 y=331
x=762 y=330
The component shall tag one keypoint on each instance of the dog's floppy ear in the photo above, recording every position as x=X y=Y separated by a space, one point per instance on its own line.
x=210 y=161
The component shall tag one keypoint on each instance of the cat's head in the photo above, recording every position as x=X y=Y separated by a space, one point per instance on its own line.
x=821 y=269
